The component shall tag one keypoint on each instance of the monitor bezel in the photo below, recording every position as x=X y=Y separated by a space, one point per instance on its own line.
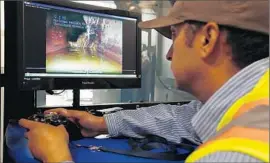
x=77 y=83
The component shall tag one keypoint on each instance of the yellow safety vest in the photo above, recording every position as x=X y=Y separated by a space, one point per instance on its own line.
x=251 y=141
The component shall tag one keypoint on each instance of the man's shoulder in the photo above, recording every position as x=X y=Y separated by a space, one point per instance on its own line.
x=238 y=138
x=257 y=117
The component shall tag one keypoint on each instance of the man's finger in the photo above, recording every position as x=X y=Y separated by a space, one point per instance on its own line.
x=72 y=120
x=62 y=127
x=28 y=123
x=67 y=113
x=60 y=111
x=75 y=114
x=26 y=135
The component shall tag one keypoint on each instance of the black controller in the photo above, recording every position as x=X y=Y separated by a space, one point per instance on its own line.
x=56 y=120
x=51 y=118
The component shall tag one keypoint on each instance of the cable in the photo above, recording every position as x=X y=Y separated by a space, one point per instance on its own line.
x=51 y=92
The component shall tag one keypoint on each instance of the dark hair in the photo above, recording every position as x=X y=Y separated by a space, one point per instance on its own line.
x=247 y=46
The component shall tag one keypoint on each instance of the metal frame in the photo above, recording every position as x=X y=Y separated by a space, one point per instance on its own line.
x=1 y=91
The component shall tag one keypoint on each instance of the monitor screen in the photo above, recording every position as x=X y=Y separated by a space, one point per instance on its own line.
x=67 y=43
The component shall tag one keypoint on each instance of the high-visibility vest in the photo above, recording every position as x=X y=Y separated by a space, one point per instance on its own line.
x=244 y=128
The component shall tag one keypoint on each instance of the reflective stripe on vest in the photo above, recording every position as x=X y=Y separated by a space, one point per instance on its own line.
x=257 y=149
x=247 y=140
x=255 y=143
x=259 y=95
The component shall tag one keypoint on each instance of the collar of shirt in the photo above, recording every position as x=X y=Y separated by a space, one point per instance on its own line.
x=206 y=120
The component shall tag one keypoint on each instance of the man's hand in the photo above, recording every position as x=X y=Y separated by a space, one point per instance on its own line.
x=46 y=142
x=90 y=125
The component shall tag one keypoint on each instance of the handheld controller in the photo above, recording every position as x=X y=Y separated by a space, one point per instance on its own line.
x=56 y=120
x=51 y=118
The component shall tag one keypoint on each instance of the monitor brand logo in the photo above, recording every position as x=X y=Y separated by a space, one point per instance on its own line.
x=88 y=83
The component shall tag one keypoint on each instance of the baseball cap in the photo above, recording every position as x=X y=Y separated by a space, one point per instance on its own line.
x=244 y=14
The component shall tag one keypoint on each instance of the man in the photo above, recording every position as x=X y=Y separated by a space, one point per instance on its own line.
x=220 y=55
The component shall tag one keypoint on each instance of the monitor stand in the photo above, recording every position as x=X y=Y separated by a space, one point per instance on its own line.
x=76 y=98
x=75 y=103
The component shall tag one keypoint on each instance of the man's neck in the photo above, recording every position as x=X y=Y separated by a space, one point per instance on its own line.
x=208 y=84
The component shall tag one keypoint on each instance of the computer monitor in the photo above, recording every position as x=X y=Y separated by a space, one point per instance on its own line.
x=69 y=45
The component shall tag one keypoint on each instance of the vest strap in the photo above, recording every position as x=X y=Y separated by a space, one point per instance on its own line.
x=242 y=128
x=254 y=148
x=259 y=95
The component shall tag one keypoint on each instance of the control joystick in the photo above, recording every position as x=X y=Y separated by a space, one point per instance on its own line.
x=51 y=118
x=56 y=120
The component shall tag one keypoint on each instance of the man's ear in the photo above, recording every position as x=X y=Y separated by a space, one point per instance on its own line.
x=209 y=38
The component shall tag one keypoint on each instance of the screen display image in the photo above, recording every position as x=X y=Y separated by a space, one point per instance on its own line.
x=70 y=45
x=83 y=43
